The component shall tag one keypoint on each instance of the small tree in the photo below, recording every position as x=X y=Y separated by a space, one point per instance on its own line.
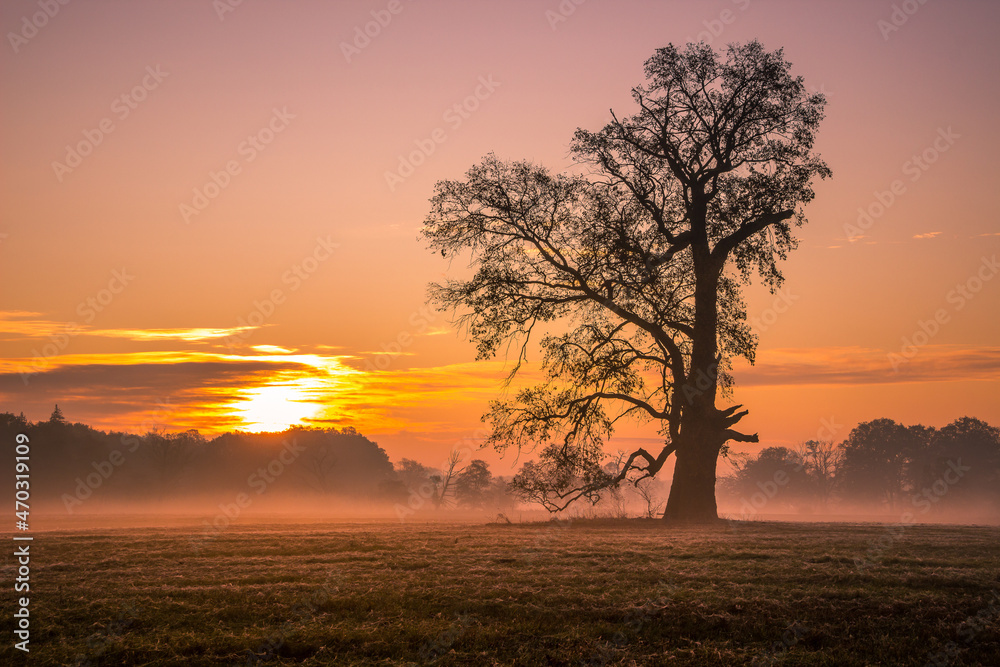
x=473 y=483
x=648 y=492
x=821 y=459
x=57 y=416
x=445 y=480
x=775 y=477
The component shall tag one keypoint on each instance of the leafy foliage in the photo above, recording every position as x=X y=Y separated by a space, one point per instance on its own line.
x=634 y=270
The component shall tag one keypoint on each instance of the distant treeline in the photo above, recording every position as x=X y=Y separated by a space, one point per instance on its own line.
x=72 y=463
x=881 y=466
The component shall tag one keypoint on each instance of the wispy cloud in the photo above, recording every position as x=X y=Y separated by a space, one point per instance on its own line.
x=859 y=365
x=30 y=325
x=271 y=349
x=206 y=390
x=214 y=391
x=188 y=335
x=928 y=235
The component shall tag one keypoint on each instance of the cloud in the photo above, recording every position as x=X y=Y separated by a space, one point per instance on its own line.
x=32 y=325
x=271 y=349
x=188 y=335
x=124 y=390
x=858 y=365
x=928 y=235
x=214 y=392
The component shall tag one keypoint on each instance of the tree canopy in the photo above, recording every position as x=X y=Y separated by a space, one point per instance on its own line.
x=632 y=271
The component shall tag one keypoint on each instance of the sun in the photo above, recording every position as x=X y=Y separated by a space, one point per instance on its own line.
x=275 y=407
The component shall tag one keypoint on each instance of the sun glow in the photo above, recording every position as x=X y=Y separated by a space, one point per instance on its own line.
x=293 y=398
x=276 y=407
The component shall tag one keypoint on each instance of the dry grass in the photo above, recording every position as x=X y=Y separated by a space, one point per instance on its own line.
x=604 y=592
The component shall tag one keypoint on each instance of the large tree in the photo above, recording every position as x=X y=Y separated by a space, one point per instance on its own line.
x=634 y=268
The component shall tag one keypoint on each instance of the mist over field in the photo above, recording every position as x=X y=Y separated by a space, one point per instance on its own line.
x=302 y=475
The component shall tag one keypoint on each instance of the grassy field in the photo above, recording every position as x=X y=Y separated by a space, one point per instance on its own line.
x=569 y=593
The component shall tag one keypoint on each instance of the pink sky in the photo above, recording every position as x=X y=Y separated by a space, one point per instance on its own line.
x=308 y=135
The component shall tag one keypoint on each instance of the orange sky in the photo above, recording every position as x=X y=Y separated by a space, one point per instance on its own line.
x=224 y=236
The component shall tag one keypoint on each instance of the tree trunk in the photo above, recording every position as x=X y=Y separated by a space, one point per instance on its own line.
x=692 y=491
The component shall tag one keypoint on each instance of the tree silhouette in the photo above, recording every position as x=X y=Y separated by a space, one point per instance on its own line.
x=170 y=455
x=822 y=458
x=472 y=484
x=775 y=478
x=636 y=268
x=877 y=460
x=972 y=447
x=57 y=416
